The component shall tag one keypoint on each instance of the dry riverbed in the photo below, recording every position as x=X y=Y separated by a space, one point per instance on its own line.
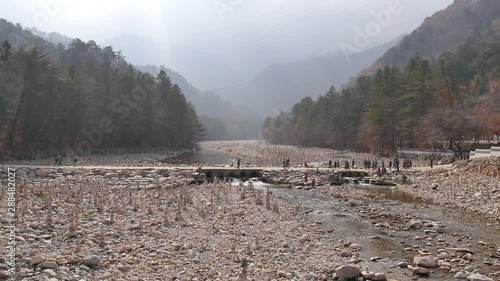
x=149 y=225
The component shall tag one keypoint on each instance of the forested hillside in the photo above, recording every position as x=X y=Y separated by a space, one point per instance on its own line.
x=222 y=119
x=439 y=102
x=85 y=96
x=476 y=20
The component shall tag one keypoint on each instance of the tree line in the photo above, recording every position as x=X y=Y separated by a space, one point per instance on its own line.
x=88 y=97
x=442 y=102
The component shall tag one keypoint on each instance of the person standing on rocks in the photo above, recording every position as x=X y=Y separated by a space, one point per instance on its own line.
x=330 y=164
x=306 y=176
x=432 y=163
x=74 y=161
x=313 y=182
x=287 y=162
x=239 y=162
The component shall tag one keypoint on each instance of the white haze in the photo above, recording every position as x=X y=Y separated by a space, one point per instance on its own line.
x=217 y=49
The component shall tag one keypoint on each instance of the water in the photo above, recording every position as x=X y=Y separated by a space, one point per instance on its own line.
x=203 y=157
x=347 y=223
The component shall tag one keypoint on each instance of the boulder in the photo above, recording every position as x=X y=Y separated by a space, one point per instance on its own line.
x=42 y=173
x=48 y=265
x=426 y=262
x=91 y=260
x=420 y=271
x=348 y=271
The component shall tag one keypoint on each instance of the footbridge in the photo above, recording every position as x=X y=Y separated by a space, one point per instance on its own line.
x=231 y=172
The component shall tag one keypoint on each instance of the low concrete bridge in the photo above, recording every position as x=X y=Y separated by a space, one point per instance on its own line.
x=224 y=172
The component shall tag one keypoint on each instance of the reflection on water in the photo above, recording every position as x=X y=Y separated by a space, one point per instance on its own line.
x=203 y=157
x=393 y=194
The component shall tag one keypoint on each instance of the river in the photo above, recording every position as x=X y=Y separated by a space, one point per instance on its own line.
x=356 y=225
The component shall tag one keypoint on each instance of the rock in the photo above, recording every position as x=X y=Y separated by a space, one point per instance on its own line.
x=420 y=271
x=135 y=227
x=91 y=261
x=50 y=272
x=479 y=277
x=48 y=265
x=110 y=175
x=416 y=224
x=461 y=275
x=461 y=250
x=348 y=271
x=37 y=260
x=42 y=173
x=4 y=275
x=368 y=275
x=345 y=254
x=403 y=264
x=426 y=262
x=379 y=277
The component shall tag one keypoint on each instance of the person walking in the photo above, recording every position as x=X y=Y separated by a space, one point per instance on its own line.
x=287 y=162
x=330 y=164
x=305 y=177
x=239 y=162
x=74 y=161
x=313 y=182
x=432 y=163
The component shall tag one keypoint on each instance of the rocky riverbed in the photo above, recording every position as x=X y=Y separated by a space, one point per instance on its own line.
x=262 y=154
x=99 y=224
x=102 y=158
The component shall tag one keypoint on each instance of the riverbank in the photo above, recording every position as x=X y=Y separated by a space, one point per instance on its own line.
x=118 y=157
x=259 y=153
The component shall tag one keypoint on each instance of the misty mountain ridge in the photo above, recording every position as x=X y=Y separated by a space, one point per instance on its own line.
x=277 y=87
x=445 y=30
x=206 y=102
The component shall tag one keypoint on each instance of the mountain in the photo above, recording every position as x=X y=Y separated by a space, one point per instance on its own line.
x=463 y=20
x=211 y=66
x=278 y=86
x=52 y=37
x=85 y=97
x=222 y=119
x=437 y=89
x=206 y=102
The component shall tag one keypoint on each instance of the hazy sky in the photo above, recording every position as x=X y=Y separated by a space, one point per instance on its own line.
x=293 y=24
x=215 y=42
